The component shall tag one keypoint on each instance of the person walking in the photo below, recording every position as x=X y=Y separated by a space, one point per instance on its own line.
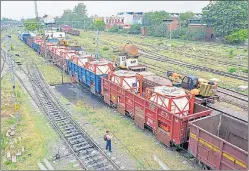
x=108 y=140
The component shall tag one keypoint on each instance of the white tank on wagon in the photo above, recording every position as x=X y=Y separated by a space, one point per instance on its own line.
x=99 y=67
x=127 y=79
x=162 y=94
x=146 y=73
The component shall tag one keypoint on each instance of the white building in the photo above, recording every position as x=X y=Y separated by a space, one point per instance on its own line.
x=48 y=19
x=131 y=18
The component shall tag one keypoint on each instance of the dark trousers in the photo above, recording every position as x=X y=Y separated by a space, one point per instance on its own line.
x=108 y=145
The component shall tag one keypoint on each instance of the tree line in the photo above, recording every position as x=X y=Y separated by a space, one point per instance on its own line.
x=227 y=18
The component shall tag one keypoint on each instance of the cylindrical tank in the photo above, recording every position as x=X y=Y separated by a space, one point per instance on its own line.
x=172 y=98
x=126 y=79
x=99 y=67
x=146 y=73
x=130 y=49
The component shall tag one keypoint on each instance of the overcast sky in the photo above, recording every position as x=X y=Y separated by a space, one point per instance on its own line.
x=26 y=9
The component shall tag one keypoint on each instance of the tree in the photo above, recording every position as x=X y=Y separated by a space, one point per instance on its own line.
x=99 y=25
x=237 y=36
x=226 y=16
x=135 y=29
x=157 y=30
x=184 y=17
x=31 y=24
x=115 y=28
x=76 y=18
x=155 y=18
x=80 y=15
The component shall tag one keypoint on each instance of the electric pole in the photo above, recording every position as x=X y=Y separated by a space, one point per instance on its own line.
x=38 y=22
x=97 y=44
x=36 y=15
x=11 y=63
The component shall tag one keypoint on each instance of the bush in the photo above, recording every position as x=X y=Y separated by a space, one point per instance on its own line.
x=135 y=29
x=231 y=55
x=114 y=28
x=189 y=34
x=179 y=34
x=239 y=36
x=232 y=70
x=157 y=30
x=245 y=70
x=105 y=48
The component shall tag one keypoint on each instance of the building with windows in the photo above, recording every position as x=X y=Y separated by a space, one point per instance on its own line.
x=123 y=19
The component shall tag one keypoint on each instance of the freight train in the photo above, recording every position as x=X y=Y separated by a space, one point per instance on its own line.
x=69 y=30
x=216 y=141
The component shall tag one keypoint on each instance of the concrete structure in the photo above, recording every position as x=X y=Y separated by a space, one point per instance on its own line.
x=131 y=18
x=113 y=20
x=48 y=19
x=172 y=24
x=196 y=23
x=123 y=19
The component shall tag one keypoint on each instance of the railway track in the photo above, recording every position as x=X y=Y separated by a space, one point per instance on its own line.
x=226 y=95
x=240 y=99
x=192 y=55
x=155 y=56
x=87 y=152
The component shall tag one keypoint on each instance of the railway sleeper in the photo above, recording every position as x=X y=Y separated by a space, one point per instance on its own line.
x=77 y=141
x=57 y=116
x=75 y=137
x=59 y=119
x=108 y=167
x=67 y=126
x=82 y=153
x=95 y=160
x=71 y=131
x=84 y=147
x=101 y=163
x=53 y=113
x=82 y=144
x=89 y=155
x=72 y=134
x=64 y=122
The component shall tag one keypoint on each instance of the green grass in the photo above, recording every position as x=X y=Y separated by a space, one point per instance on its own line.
x=52 y=74
x=137 y=142
x=33 y=130
x=86 y=39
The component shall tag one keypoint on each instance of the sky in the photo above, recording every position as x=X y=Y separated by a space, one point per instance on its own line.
x=26 y=9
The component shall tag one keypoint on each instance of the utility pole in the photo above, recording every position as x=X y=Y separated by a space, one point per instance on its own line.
x=97 y=44
x=240 y=63
x=170 y=31
x=36 y=14
x=11 y=63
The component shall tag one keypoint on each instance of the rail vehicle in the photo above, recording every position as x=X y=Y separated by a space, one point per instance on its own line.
x=171 y=113
x=69 y=30
x=204 y=90
x=128 y=58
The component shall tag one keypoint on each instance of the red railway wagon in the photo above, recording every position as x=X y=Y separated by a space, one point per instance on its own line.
x=42 y=47
x=73 y=32
x=50 y=53
x=57 y=55
x=145 y=112
x=67 y=54
x=100 y=67
x=220 y=142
